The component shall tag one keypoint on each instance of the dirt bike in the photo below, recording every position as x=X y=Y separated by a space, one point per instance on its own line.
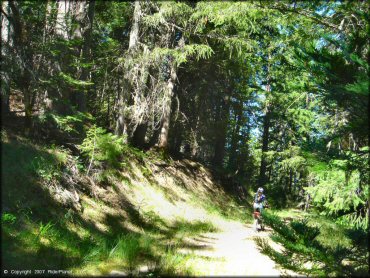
x=258 y=224
x=258 y=221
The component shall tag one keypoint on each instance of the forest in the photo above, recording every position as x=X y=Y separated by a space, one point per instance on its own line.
x=135 y=134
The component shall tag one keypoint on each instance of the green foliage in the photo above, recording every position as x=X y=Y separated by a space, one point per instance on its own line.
x=70 y=122
x=293 y=163
x=48 y=166
x=277 y=225
x=67 y=124
x=181 y=56
x=287 y=167
x=184 y=228
x=175 y=263
x=310 y=248
x=74 y=82
x=360 y=87
x=44 y=229
x=302 y=64
x=45 y=168
x=100 y=146
x=307 y=233
x=8 y=218
x=338 y=190
x=168 y=10
x=131 y=248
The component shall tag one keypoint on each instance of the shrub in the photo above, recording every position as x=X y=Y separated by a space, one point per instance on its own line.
x=279 y=226
x=100 y=146
x=311 y=243
x=8 y=218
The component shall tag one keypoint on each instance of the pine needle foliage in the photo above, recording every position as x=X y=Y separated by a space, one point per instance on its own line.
x=100 y=146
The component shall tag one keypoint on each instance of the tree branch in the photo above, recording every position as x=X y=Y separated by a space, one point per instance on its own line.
x=304 y=13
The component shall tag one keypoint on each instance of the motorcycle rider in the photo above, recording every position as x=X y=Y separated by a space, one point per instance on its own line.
x=259 y=199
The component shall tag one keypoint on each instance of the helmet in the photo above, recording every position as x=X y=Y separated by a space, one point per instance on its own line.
x=260 y=189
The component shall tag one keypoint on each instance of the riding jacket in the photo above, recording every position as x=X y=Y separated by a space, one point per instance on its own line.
x=259 y=199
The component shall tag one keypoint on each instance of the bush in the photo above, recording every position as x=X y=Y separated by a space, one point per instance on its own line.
x=8 y=218
x=279 y=226
x=308 y=243
x=102 y=147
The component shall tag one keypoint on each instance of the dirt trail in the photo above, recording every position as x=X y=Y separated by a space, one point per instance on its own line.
x=234 y=252
x=231 y=252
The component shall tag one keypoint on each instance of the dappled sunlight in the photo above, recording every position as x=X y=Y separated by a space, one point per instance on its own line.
x=232 y=252
x=149 y=197
x=227 y=250
x=144 y=219
x=143 y=138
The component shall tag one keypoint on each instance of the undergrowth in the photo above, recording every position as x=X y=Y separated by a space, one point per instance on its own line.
x=71 y=243
x=317 y=246
x=39 y=232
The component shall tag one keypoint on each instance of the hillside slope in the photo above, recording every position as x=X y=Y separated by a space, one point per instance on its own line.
x=150 y=214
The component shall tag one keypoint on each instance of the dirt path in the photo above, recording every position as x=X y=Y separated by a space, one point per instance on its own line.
x=234 y=252
x=230 y=252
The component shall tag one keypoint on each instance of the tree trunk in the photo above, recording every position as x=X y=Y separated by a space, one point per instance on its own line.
x=122 y=125
x=290 y=181
x=138 y=139
x=49 y=34
x=221 y=132
x=192 y=148
x=28 y=104
x=134 y=34
x=58 y=26
x=85 y=18
x=6 y=43
x=23 y=50
x=154 y=138
x=5 y=26
x=177 y=137
x=266 y=130
x=61 y=28
x=165 y=124
x=235 y=136
x=265 y=142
